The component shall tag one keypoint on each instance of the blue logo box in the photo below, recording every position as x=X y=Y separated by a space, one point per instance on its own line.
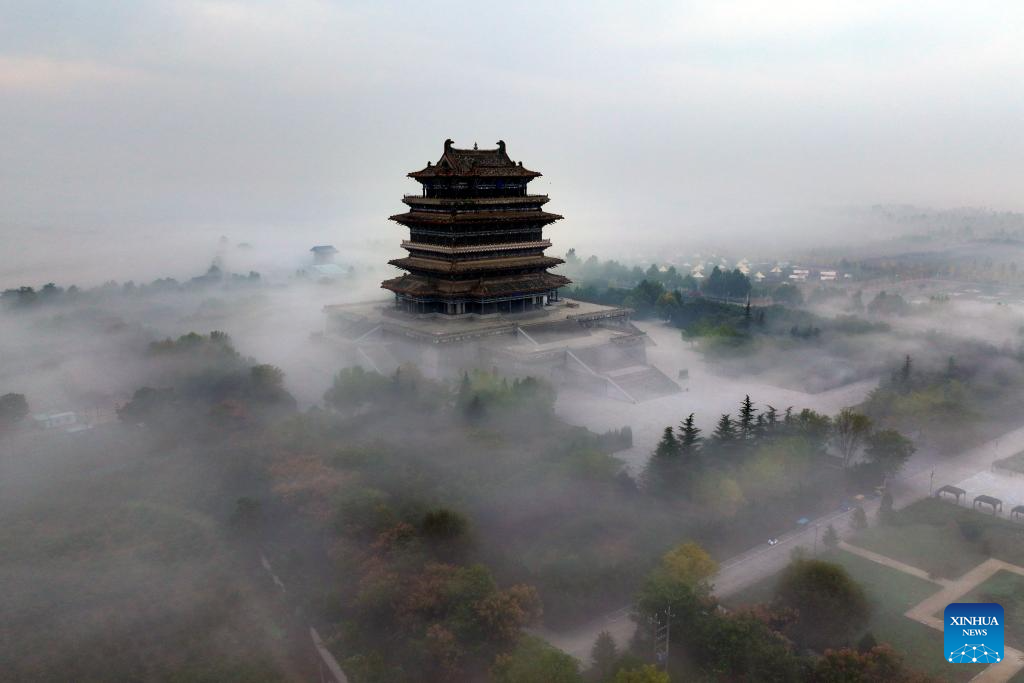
x=973 y=633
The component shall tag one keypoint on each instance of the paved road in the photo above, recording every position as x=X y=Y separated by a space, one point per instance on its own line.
x=743 y=570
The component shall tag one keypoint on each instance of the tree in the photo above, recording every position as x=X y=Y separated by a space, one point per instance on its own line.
x=689 y=437
x=746 y=418
x=247 y=515
x=668 y=447
x=534 y=660
x=147 y=404
x=867 y=642
x=715 y=284
x=13 y=409
x=849 y=430
x=880 y=664
x=906 y=370
x=465 y=390
x=885 y=508
x=810 y=424
x=442 y=524
x=831 y=605
x=604 y=653
x=831 y=538
x=645 y=674
x=666 y=304
x=725 y=430
x=355 y=386
x=859 y=520
x=689 y=564
x=889 y=449
x=267 y=376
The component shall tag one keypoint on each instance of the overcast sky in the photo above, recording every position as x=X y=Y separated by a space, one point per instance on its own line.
x=125 y=118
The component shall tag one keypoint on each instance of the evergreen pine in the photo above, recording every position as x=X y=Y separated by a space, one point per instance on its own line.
x=689 y=437
x=604 y=653
x=831 y=538
x=746 y=419
x=906 y=370
x=668 y=447
x=725 y=430
x=859 y=520
x=885 y=511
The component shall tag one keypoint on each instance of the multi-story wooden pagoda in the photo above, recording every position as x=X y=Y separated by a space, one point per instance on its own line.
x=476 y=241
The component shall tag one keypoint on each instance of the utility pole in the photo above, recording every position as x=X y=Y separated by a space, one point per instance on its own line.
x=931 y=483
x=662 y=635
x=816 y=539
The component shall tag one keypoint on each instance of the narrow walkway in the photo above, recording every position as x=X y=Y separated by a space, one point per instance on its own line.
x=924 y=612
x=889 y=562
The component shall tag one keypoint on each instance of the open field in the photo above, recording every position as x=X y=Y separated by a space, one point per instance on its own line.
x=944 y=539
x=1014 y=462
x=1007 y=589
x=891 y=593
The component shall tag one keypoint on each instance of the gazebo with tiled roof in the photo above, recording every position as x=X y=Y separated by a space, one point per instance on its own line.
x=476 y=243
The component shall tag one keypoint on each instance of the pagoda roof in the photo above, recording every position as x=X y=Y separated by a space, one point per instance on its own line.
x=420 y=286
x=474 y=163
x=460 y=266
x=472 y=202
x=439 y=217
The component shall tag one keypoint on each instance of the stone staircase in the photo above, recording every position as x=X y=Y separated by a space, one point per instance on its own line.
x=643 y=382
x=378 y=357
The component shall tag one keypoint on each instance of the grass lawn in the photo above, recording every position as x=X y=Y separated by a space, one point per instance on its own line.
x=891 y=593
x=1014 y=462
x=944 y=539
x=1007 y=589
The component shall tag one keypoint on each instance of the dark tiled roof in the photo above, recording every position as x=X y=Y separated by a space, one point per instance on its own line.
x=445 y=266
x=419 y=286
x=435 y=218
x=529 y=200
x=475 y=163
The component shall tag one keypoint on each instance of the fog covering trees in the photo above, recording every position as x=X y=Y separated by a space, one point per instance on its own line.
x=424 y=526
x=13 y=409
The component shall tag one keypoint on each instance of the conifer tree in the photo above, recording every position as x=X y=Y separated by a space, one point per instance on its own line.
x=604 y=653
x=831 y=538
x=725 y=430
x=906 y=370
x=668 y=447
x=689 y=437
x=746 y=418
x=860 y=519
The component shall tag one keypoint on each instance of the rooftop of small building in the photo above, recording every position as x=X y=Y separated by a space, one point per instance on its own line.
x=475 y=162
